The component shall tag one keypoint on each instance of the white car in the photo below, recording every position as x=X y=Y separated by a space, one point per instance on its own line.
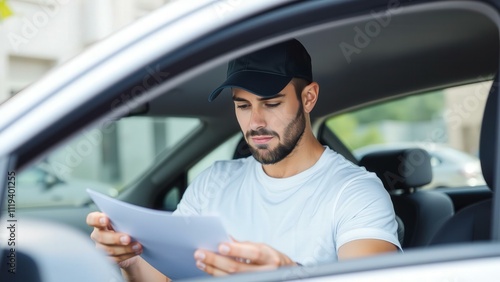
x=364 y=52
x=450 y=167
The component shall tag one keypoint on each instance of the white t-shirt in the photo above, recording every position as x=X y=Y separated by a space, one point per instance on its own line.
x=307 y=216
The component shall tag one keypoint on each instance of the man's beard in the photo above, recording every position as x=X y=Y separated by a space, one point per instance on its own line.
x=292 y=134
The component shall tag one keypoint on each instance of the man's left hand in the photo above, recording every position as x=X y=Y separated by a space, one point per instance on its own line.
x=237 y=257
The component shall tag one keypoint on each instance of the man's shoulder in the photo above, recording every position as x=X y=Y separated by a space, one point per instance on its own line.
x=340 y=166
x=333 y=157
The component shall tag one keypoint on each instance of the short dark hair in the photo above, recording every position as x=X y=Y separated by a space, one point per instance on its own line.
x=299 y=84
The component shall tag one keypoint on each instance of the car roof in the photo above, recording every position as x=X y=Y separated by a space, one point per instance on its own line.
x=419 y=49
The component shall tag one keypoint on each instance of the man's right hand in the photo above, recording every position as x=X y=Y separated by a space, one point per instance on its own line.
x=118 y=246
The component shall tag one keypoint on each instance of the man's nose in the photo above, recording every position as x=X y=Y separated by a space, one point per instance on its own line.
x=257 y=119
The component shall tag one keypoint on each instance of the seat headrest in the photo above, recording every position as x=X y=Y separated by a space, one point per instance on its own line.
x=400 y=168
x=489 y=127
x=242 y=150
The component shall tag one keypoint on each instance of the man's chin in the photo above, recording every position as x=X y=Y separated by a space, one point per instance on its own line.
x=261 y=147
x=265 y=157
x=261 y=155
x=265 y=161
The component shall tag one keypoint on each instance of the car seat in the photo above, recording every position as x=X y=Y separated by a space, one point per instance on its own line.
x=473 y=223
x=402 y=172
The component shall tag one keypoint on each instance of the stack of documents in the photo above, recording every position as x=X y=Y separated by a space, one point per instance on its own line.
x=168 y=241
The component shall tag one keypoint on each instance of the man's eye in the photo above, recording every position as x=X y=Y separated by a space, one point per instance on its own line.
x=273 y=105
x=244 y=106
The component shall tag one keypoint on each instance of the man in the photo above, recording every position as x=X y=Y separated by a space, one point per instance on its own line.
x=294 y=201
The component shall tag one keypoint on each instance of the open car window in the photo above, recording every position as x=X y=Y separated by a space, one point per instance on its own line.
x=446 y=123
x=104 y=159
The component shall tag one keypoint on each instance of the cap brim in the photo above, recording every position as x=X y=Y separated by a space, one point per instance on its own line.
x=258 y=83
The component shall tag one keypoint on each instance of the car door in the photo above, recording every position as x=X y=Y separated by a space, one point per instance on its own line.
x=86 y=89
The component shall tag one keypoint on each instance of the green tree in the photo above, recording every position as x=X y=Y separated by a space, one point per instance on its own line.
x=346 y=128
x=5 y=10
x=360 y=128
x=413 y=108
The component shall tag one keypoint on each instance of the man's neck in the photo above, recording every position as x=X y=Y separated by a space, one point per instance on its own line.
x=305 y=155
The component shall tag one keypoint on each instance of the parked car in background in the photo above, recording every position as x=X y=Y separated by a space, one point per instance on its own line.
x=450 y=167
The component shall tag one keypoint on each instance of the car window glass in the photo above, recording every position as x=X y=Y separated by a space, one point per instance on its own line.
x=224 y=151
x=435 y=161
x=105 y=160
x=446 y=123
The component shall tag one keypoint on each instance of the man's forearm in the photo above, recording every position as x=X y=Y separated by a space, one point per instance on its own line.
x=143 y=271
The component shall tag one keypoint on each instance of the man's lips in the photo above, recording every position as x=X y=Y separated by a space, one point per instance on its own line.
x=261 y=139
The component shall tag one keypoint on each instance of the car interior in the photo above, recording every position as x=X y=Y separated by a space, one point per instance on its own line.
x=404 y=171
x=399 y=61
x=473 y=223
x=360 y=58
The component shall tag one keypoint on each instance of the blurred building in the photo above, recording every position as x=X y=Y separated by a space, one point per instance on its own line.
x=44 y=33
x=465 y=107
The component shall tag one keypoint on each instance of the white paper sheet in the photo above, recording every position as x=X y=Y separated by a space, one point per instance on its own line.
x=168 y=241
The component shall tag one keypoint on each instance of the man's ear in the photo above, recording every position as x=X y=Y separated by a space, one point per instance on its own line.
x=310 y=96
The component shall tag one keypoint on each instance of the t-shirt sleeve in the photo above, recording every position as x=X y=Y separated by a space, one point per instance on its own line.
x=364 y=211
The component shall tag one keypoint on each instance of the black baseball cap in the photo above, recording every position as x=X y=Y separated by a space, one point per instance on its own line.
x=266 y=72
